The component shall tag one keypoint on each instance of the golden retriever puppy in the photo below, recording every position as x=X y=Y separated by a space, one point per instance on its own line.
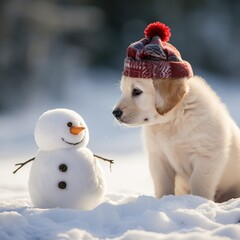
x=189 y=135
x=193 y=144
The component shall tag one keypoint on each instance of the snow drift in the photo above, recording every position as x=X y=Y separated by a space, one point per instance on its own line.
x=135 y=217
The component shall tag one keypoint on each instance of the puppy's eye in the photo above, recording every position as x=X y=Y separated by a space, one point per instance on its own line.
x=136 y=92
x=69 y=124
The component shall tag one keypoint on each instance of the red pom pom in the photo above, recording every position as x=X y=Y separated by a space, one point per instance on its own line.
x=158 y=29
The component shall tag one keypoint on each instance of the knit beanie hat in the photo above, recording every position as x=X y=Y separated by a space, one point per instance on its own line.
x=153 y=57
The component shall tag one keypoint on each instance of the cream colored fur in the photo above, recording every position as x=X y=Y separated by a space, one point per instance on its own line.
x=193 y=144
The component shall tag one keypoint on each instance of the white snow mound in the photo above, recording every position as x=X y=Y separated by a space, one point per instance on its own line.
x=135 y=217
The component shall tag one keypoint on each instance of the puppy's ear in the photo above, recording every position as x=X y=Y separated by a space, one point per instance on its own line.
x=168 y=93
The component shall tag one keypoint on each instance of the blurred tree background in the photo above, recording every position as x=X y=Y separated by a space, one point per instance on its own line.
x=43 y=43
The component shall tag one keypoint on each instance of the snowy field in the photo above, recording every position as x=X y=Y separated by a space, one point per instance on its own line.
x=129 y=211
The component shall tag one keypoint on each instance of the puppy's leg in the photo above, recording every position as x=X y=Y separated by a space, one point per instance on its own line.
x=205 y=177
x=162 y=174
x=181 y=186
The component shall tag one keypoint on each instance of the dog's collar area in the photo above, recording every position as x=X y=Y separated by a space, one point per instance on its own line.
x=70 y=143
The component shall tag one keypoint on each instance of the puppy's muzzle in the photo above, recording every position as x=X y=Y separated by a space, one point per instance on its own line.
x=117 y=112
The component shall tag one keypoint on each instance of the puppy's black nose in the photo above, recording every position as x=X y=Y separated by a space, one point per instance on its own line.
x=117 y=113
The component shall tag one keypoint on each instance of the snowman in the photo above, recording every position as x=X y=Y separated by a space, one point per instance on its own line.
x=64 y=172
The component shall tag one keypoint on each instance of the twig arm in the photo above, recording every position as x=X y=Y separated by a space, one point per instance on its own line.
x=22 y=164
x=97 y=156
x=105 y=159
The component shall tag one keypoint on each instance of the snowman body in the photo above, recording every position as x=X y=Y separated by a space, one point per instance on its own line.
x=65 y=175
x=66 y=178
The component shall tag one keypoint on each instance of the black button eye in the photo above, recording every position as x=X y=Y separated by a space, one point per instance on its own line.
x=69 y=124
x=136 y=92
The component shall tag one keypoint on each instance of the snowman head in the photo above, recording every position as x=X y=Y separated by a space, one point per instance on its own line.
x=61 y=129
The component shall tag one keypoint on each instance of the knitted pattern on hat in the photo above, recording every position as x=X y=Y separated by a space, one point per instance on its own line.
x=153 y=57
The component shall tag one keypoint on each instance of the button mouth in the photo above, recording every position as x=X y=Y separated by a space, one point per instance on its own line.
x=71 y=143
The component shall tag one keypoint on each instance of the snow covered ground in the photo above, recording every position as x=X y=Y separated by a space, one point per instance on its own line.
x=129 y=210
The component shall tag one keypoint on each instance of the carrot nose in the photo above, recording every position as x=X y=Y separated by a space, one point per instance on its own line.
x=76 y=130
